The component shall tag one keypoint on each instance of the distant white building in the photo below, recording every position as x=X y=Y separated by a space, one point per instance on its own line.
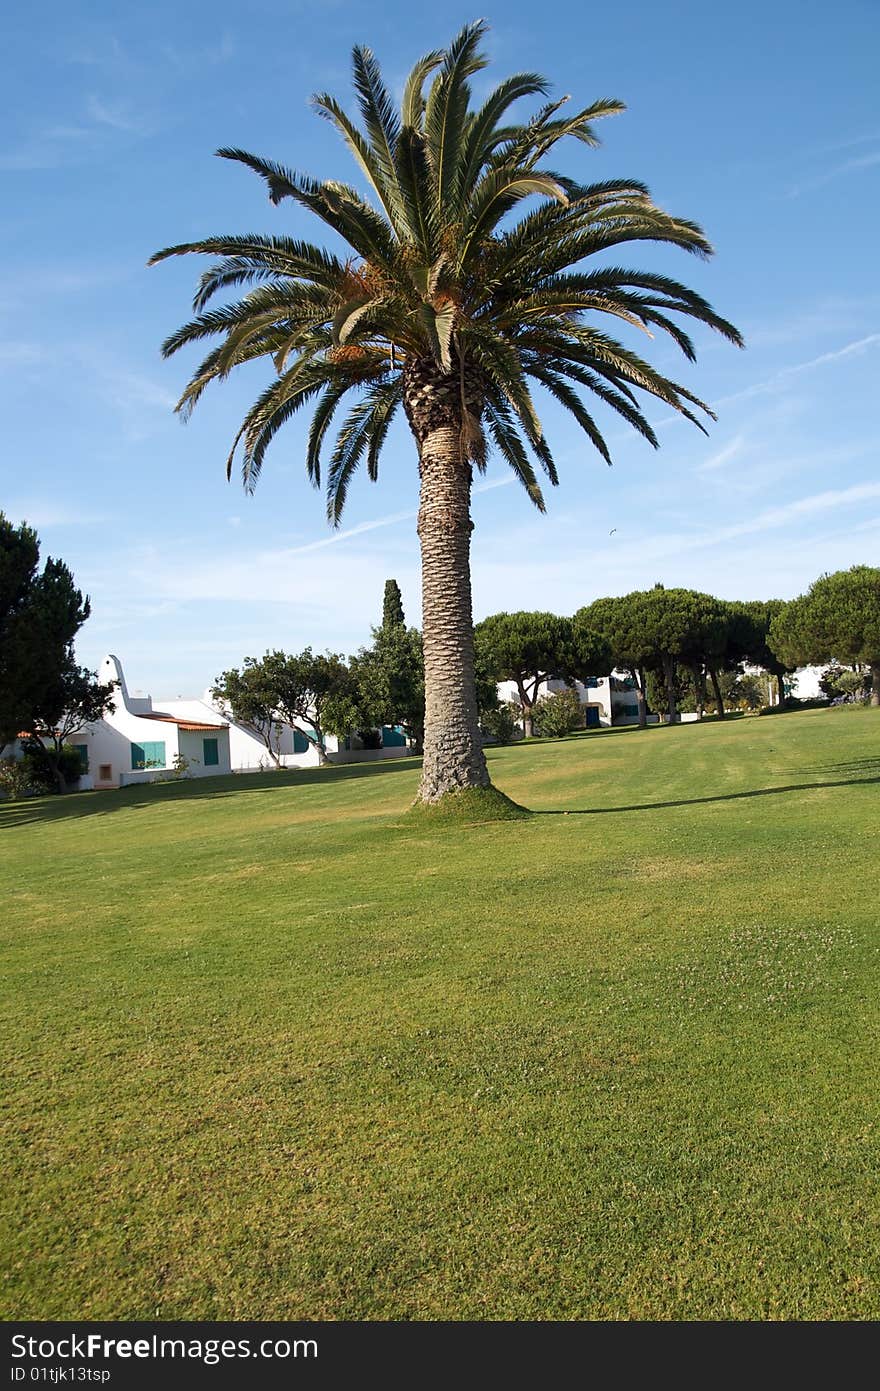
x=607 y=700
x=139 y=741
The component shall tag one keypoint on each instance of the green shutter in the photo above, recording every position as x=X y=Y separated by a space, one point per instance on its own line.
x=152 y=753
x=211 y=752
x=393 y=737
x=300 y=742
x=83 y=751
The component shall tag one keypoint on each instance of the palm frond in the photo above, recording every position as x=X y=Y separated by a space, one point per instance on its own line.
x=471 y=259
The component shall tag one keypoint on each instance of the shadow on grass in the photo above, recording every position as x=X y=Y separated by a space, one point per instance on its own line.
x=137 y=795
x=722 y=797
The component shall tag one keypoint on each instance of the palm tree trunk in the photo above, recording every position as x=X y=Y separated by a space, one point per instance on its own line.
x=780 y=686
x=453 y=757
x=875 y=683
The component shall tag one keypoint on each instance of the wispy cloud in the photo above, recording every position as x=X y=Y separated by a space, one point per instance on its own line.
x=391 y=519
x=780 y=378
x=45 y=147
x=186 y=60
x=812 y=506
x=21 y=354
x=46 y=515
x=118 y=116
x=848 y=166
x=659 y=548
x=717 y=461
x=859 y=345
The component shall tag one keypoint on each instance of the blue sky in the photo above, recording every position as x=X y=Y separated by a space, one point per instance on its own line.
x=760 y=121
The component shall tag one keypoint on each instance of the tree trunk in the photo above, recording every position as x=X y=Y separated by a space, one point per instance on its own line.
x=527 y=709
x=875 y=683
x=54 y=761
x=453 y=757
x=719 y=699
x=669 y=674
x=780 y=686
x=699 y=697
x=638 y=676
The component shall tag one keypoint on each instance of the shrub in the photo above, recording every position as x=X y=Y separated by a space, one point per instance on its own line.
x=559 y=714
x=844 y=686
x=370 y=738
x=16 y=780
x=40 y=771
x=501 y=724
x=792 y=703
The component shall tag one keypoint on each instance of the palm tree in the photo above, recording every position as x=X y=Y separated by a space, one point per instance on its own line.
x=448 y=306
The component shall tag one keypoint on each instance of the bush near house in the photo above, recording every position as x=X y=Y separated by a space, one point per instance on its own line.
x=40 y=770
x=558 y=714
x=502 y=723
x=16 y=780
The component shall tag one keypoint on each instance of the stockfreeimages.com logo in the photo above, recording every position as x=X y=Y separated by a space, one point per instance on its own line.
x=94 y=1346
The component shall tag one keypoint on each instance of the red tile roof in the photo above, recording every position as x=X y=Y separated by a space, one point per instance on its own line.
x=182 y=724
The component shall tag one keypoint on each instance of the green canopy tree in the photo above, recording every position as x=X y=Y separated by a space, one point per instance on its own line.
x=623 y=627
x=837 y=619
x=72 y=701
x=759 y=615
x=679 y=626
x=450 y=301
x=313 y=692
x=527 y=649
x=245 y=695
x=389 y=676
x=41 y=611
x=392 y=607
x=19 y=558
x=708 y=645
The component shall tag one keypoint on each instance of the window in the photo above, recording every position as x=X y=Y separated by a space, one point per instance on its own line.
x=83 y=751
x=300 y=742
x=105 y=772
x=210 y=753
x=151 y=755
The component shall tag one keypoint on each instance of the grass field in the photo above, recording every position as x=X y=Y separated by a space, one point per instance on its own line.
x=278 y=1051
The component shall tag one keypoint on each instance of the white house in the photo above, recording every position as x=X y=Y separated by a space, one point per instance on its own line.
x=607 y=700
x=139 y=741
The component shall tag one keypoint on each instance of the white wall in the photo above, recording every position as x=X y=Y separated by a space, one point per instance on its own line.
x=601 y=694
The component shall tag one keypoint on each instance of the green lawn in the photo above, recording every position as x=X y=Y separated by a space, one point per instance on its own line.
x=278 y=1051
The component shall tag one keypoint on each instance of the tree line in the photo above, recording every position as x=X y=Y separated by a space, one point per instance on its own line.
x=673 y=645
x=677 y=642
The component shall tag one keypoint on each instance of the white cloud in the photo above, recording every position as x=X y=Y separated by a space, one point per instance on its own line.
x=117 y=117
x=44 y=514
x=848 y=166
x=730 y=451
x=785 y=374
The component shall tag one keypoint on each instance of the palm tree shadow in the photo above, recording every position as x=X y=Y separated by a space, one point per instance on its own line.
x=722 y=797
